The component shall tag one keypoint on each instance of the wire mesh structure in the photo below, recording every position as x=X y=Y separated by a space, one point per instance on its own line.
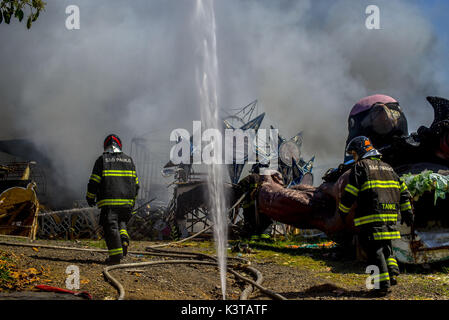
x=190 y=204
x=148 y=223
x=78 y=223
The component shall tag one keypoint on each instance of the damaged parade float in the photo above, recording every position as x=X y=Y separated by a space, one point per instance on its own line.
x=421 y=159
x=189 y=208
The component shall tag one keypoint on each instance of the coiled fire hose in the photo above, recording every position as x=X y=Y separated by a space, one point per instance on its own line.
x=153 y=250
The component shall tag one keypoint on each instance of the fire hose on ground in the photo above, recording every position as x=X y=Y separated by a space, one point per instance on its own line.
x=153 y=250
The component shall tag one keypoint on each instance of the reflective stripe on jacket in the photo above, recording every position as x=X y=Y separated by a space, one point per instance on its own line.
x=113 y=181
x=380 y=196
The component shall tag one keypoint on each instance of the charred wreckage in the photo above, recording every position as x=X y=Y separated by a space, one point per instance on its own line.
x=287 y=196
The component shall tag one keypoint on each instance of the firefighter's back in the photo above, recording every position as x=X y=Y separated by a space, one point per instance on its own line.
x=118 y=180
x=379 y=197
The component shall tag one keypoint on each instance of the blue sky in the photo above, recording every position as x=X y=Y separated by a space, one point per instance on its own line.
x=437 y=12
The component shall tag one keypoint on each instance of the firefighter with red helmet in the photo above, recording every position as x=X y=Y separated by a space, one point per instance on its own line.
x=380 y=197
x=113 y=187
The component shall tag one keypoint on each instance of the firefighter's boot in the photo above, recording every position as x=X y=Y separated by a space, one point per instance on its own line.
x=124 y=238
x=112 y=260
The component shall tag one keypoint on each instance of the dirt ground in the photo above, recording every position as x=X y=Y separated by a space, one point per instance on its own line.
x=293 y=273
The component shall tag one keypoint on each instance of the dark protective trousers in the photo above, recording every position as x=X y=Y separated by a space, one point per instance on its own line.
x=114 y=220
x=380 y=254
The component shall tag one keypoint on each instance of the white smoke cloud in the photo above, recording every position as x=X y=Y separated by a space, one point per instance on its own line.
x=130 y=70
x=308 y=62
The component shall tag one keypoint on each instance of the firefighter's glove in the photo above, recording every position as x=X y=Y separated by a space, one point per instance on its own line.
x=407 y=218
x=90 y=202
